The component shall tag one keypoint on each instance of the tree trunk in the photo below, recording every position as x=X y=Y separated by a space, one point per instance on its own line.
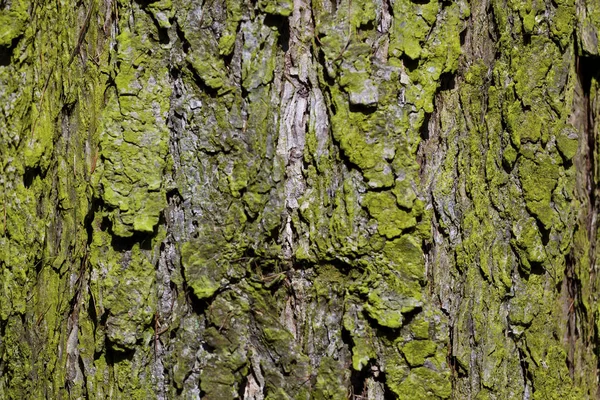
x=272 y=199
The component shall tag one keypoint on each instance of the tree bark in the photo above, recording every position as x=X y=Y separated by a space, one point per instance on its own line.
x=272 y=199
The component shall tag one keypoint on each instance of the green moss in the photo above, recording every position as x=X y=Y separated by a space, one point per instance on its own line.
x=567 y=142
x=527 y=238
x=528 y=21
x=163 y=12
x=530 y=66
x=209 y=68
x=525 y=307
x=510 y=155
x=125 y=292
x=384 y=315
x=13 y=22
x=425 y=383
x=217 y=383
x=254 y=202
x=404 y=192
x=420 y=328
x=362 y=352
x=202 y=272
x=552 y=376
x=538 y=179
x=416 y=351
x=134 y=140
x=234 y=16
x=391 y=220
x=406 y=255
x=530 y=126
x=238 y=179
x=408 y=33
x=330 y=382
x=277 y=7
x=203 y=56
x=226 y=44
x=389 y=297
x=259 y=59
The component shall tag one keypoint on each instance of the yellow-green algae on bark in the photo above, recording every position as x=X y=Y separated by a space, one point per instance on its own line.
x=511 y=219
x=298 y=199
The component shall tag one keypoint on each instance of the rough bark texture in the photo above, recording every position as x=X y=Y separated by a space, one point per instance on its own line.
x=272 y=199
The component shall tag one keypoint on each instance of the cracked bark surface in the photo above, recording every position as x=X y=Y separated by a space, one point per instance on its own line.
x=299 y=199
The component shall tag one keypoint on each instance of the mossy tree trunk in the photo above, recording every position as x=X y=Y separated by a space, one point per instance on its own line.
x=299 y=199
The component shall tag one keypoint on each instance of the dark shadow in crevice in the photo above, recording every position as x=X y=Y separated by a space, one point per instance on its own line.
x=242 y=386
x=30 y=174
x=332 y=108
x=85 y=374
x=163 y=35
x=537 y=268
x=119 y=243
x=91 y=309
x=7 y=52
x=5 y=56
x=320 y=54
x=365 y=109
x=115 y=356
x=369 y=26
x=438 y=217
x=410 y=316
x=424 y=129
x=3 y=363
x=67 y=111
x=391 y=334
x=410 y=64
x=544 y=233
x=387 y=394
x=587 y=71
x=201 y=84
x=447 y=81
x=175 y=72
x=89 y=219
x=527 y=374
x=122 y=244
x=493 y=31
x=198 y=306
x=358 y=382
x=174 y=197
x=463 y=37
x=103 y=319
x=358 y=379
x=567 y=162
x=282 y=26
x=383 y=189
x=227 y=60
x=572 y=286
x=506 y=166
x=179 y=392
x=342 y=266
x=185 y=45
